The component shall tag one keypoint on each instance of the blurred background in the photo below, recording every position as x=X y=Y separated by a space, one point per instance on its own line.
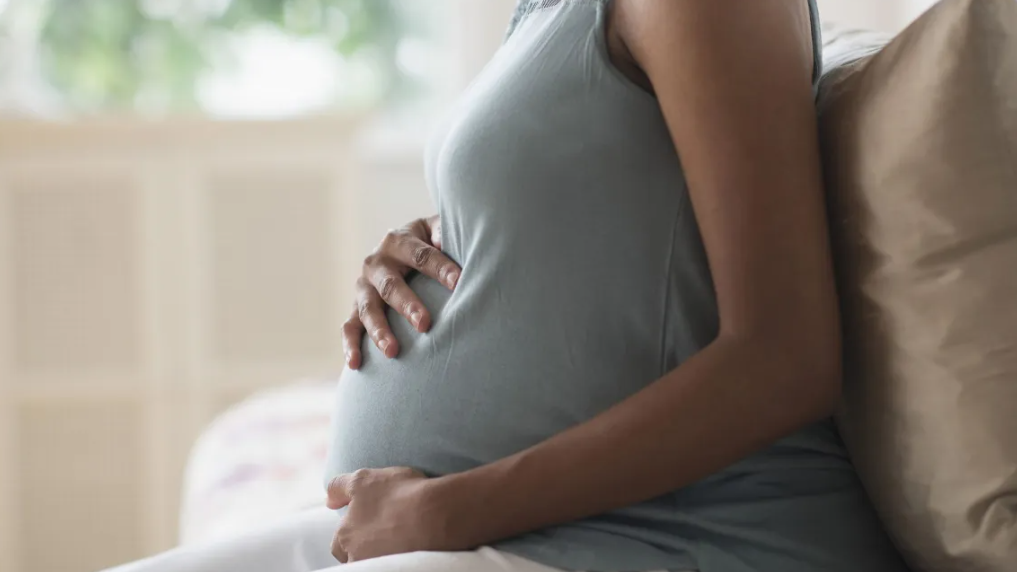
x=186 y=190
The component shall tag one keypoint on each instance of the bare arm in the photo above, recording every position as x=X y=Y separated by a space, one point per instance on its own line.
x=733 y=81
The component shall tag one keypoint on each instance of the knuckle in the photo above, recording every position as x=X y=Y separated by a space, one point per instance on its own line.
x=371 y=260
x=390 y=239
x=386 y=286
x=336 y=544
x=358 y=478
x=337 y=487
x=420 y=227
x=422 y=255
x=364 y=312
x=350 y=330
x=406 y=472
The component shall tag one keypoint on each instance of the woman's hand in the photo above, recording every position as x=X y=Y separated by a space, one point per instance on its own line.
x=416 y=246
x=391 y=511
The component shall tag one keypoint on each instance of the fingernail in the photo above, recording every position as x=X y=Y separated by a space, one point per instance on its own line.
x=383 y=344
x=415 y=317
x=452 y=278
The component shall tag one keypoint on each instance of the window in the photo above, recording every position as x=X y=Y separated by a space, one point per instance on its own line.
x=224 y=58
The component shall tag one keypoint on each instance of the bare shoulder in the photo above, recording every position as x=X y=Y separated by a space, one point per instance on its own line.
x=638 y=26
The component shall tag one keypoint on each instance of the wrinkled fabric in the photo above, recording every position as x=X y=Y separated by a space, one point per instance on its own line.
x=302 y=543
x=920 y=150
x=584 y=279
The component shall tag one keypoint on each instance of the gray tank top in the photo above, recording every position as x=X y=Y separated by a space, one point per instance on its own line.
x=584 y=279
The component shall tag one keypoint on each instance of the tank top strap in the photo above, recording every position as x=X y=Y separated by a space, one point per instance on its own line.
x=524 y=7
x=516 y=17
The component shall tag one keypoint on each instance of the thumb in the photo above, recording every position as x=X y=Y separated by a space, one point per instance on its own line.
x=339 y=494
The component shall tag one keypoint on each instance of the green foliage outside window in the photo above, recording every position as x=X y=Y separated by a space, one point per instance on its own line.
x=106 y=53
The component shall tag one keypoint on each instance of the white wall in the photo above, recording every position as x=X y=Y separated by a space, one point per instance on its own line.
x=477 y=30
x=152 y=274
x=883 y=15
x=915 y=8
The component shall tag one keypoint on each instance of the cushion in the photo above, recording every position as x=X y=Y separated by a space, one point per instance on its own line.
x=920 y=152
x=259 y=461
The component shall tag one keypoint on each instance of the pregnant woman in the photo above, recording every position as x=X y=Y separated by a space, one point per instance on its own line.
x=625 y=353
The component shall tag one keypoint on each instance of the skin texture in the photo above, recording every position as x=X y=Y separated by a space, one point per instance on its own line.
x=733 y=79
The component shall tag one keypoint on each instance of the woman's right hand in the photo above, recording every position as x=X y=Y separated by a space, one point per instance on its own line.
x=416 y=246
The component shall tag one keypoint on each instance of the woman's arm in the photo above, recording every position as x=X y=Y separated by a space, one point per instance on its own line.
x=733 y=79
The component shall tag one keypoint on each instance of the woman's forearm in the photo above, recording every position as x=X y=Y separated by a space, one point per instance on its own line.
x=728 y=401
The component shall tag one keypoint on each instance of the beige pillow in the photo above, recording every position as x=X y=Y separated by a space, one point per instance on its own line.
x=920 y=145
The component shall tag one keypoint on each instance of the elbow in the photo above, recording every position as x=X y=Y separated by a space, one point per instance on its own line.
x=814 y=374
x=806 y=386
x=820 y=386
x=804 y=371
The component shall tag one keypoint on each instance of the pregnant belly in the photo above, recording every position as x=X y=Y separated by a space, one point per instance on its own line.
x=491 y=378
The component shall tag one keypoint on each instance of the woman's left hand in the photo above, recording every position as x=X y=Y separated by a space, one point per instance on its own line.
x=391 y=511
